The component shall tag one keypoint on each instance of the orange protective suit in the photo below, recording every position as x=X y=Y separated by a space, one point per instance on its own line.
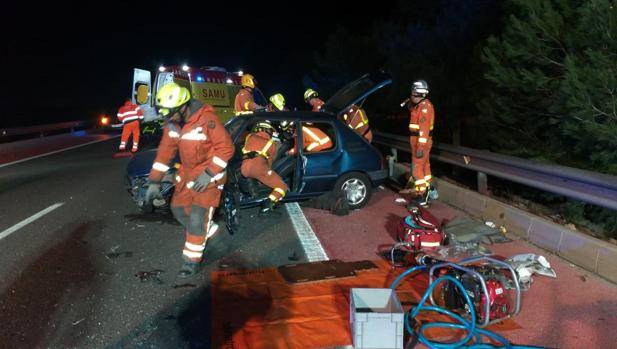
x=130 y=114
x=316 y=103
x=244 y=102
x=204 y=146
x=357 y=120
x=421 y=121
x=313 y=140
x=258 y=153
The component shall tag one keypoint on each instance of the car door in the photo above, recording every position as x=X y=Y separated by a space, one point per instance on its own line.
x=319 y=170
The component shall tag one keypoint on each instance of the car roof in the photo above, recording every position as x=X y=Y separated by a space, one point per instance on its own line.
x=287 y=115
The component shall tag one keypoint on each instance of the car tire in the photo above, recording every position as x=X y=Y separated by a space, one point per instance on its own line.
x=357 y=187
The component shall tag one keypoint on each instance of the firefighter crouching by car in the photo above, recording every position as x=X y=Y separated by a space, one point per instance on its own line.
x=277 y=103
x=130 y=115
x=357 y=120
x=258 y=154
x=313 y=139
x=421 y=121
x=193 y=130
x=312 y=98
x=244 y=102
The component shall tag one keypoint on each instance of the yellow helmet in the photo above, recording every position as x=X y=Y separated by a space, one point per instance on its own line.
x=171 y=97
x=247 y=80
x=310 y=93
x=278 y=100
x=263 y=126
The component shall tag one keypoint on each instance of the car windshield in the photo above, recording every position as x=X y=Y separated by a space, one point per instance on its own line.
x=233 y=125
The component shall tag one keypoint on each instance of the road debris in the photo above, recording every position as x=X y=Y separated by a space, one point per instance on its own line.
x=294 y=257
x=187 y=285
x=114 y=255
x=152 y=275
x=78 y=321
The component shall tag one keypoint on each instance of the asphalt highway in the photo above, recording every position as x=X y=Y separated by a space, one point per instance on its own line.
x=80 y=267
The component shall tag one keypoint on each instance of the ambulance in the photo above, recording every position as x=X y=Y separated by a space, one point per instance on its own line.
x=211 y=85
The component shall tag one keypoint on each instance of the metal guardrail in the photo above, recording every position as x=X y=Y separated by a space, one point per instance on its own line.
x=591 y=187
x=41 y=129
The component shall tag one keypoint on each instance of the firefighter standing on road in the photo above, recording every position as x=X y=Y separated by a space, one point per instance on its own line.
x=130 y=114
x=257 y=154
x=193 y=130
x=357 y=120
x=312 y=98
x=245 y=103
x=421 y=121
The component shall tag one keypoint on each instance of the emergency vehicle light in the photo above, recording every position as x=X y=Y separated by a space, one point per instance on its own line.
x=199 y=78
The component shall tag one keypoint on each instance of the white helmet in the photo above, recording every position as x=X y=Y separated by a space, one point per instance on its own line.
x=420 y=87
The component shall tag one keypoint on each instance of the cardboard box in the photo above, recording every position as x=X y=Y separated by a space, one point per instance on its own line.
x=376 y=318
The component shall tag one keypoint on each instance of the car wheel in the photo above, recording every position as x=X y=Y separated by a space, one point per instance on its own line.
x=357 y=188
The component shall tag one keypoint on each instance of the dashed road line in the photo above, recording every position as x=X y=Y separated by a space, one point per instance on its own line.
x=58 y=151
x=29 y=220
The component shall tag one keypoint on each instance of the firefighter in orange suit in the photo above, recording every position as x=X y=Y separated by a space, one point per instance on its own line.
x=130 y=114
x=257 y=154
x=357 y=120
x=194 y=131
x=313 y=138
x=312 y=98
x=421 y=121
x=245 y=103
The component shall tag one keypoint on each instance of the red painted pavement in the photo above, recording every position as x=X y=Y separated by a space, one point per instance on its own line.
x=576 y=310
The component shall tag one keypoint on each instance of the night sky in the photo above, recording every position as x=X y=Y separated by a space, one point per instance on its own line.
x=73 y=63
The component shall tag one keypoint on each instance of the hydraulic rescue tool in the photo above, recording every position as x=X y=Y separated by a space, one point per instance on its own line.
x=486 y=282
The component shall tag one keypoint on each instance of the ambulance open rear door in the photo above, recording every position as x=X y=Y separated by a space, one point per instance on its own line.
x=142 y=93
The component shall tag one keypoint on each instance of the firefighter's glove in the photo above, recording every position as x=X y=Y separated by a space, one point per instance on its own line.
x=154 y=191
x=419 y=154
x=202 y=182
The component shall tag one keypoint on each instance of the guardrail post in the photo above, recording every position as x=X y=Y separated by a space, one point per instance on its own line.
x=482 y=183
x=391 y=161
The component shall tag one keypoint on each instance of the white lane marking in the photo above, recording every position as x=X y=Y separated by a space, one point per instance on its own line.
x=58 y=151
x=29 y=220
x=312 y=247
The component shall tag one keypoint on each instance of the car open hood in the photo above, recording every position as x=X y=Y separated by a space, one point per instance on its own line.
x=356 y=91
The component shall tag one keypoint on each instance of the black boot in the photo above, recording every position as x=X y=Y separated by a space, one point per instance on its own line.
x=268 y=209
x=189 y=269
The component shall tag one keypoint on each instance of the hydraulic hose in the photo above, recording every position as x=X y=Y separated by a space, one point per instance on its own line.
x=473 y=338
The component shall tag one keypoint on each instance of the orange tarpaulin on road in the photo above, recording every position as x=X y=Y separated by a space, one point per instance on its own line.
x=259 y=309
